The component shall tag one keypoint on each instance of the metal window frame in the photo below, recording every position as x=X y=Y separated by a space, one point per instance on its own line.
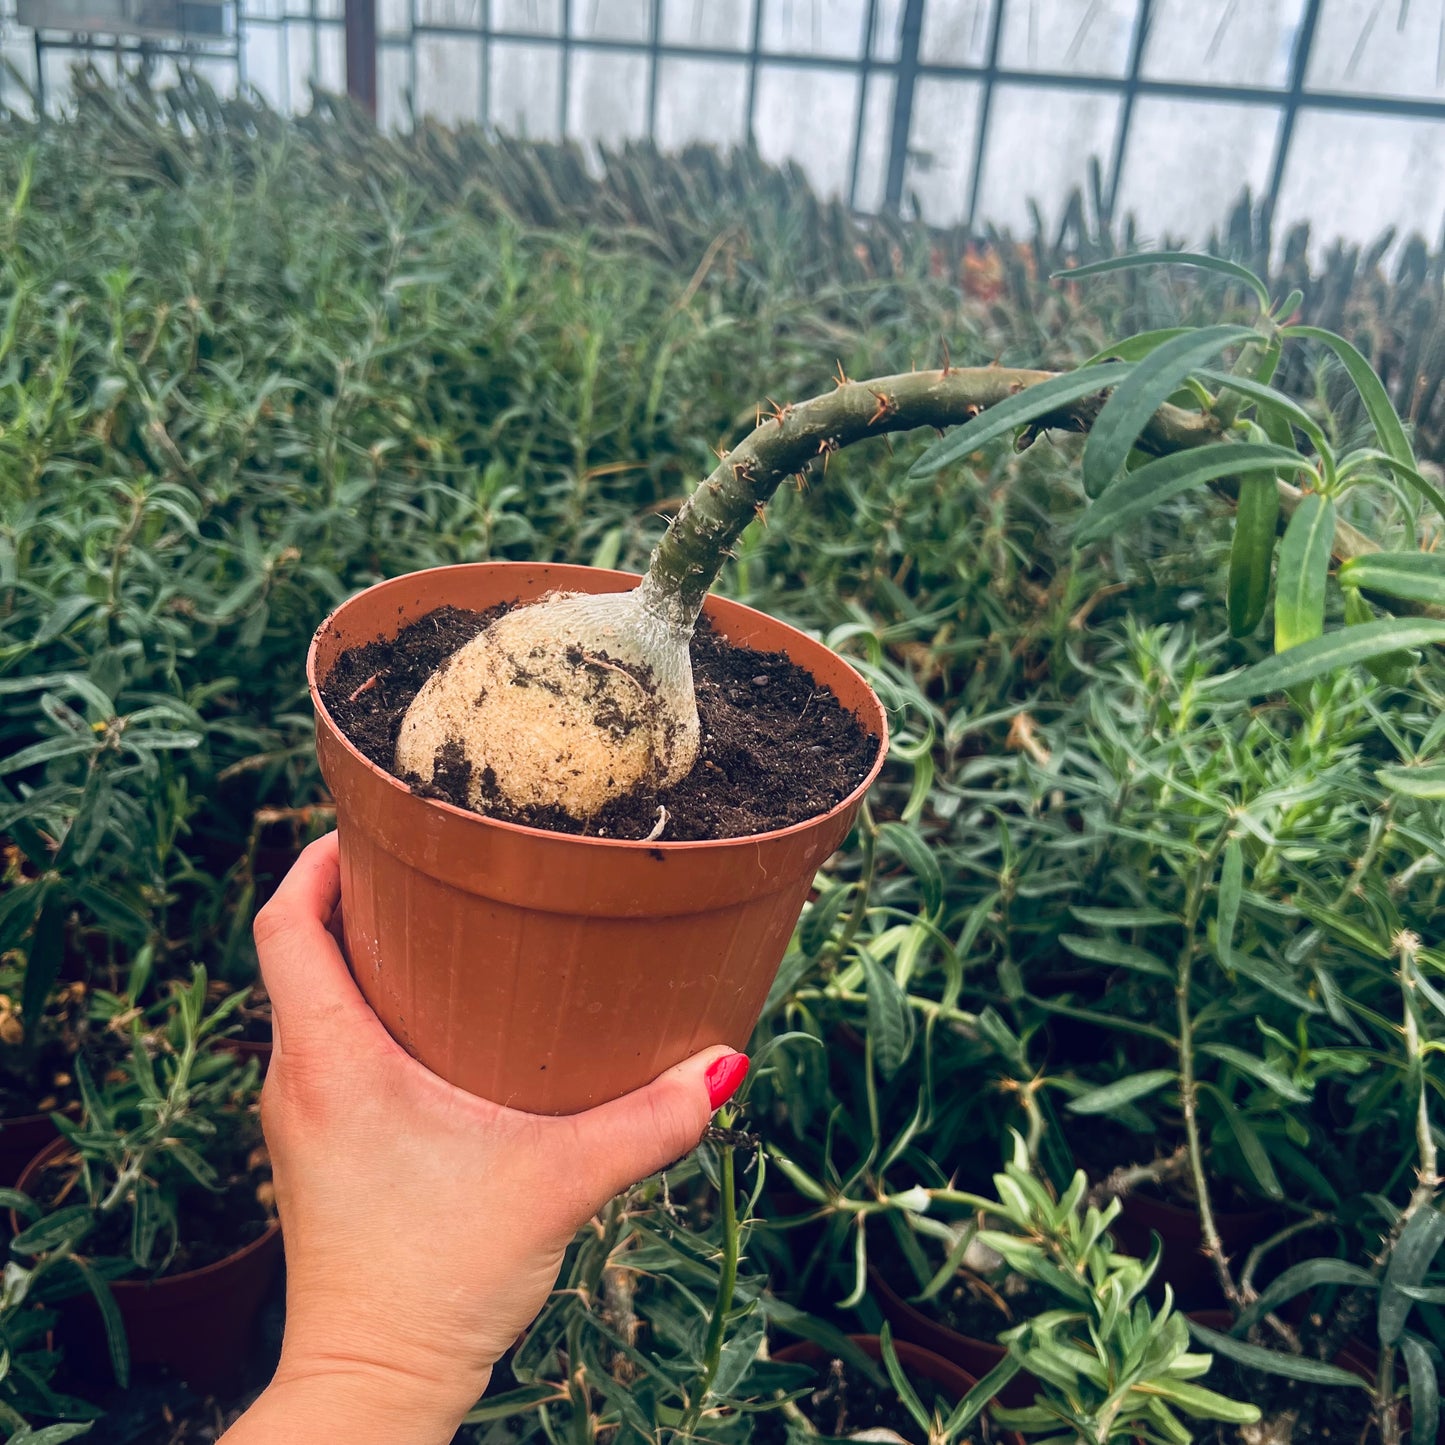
x=870 y=65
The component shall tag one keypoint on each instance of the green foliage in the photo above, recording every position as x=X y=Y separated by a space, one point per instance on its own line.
x=1112 y=886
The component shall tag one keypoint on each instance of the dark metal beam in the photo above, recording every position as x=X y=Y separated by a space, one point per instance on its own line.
x=906 y=72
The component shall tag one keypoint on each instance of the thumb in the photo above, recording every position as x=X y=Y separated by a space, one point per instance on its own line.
x=616 y=1144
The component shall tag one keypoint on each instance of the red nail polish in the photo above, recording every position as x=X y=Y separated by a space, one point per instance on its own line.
x=723 y=1077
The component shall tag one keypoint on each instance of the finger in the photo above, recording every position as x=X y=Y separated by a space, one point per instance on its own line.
x=613 y=1146
x=302 y=967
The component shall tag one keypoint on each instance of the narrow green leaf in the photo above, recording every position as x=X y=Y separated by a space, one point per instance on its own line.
x=922 y=861
x=1417 y=576
x=1112 y=951
x=1410 y=1259
x=968 y=1409
x=1258 y=1069
x=1256 y=1357
x=1007 y=416
x=1197 y=259
x=1326 y=654
x=1276 y=403
x=1307 y=1275
x=1392 y=668
x=115 y=1336
x=1231 y=890
x=1157 y=481
x=1123 y=917
x=1427 y=783
x=1138 y=346
x=1251 y=553
x=1388 y=426
x=1304 y=570
x=1203 y=1404
x=1424 y=1392
x=1407 y=474
x=1256 y=1156
x=511 y=1402
x=1122 y=1091
x=1139 y=395
x=890 y=1018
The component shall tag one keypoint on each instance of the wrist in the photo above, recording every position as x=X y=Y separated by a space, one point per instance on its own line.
x=356 y=1401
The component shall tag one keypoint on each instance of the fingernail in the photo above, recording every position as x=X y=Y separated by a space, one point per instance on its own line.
x=723 y=1077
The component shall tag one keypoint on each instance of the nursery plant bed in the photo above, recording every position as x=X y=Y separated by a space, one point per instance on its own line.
x=653 y=948
x=197 y=1318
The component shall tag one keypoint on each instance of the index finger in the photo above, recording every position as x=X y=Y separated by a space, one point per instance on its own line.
x=301 y=964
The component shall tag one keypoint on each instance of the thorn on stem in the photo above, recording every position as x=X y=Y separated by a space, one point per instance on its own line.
x=827 y=447
x=886 y=407
x=947 y=361
x=780 y=413
x=842 y=379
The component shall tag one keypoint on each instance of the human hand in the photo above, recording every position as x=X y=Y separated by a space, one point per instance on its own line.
x=424 y=1228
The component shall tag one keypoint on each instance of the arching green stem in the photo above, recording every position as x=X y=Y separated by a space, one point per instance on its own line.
x=690 y=555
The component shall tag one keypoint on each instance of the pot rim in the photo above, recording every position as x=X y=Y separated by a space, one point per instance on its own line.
x=255 y=1246
x=623 y=844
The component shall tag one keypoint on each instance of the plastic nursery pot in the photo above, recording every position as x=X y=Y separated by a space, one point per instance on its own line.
x=1183 y=1263
x=976 y=1357
x=21 y=1139
x=949 y=1379
x=545 y=971
x=198 y=1324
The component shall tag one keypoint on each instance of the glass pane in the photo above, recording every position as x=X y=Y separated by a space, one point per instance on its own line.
x=1351 y=176
x=887 y=29
x=956 y=34
x=612 y=19
x=708 y=24
x=455 y=14
x=532 y=17
x=607 y=99
x=300 y=65
x=794 y=107
x=1223 y=148
x=874 y=144
x=448 y=78
x=701 y=100
x=1040 y=142
x=1222 y=42
x=814 y=27
x=393 y=17
x=264 y=62
x=525 y=90
x=393 y=76
x=1080 y=37
x=1373 y=47
x=331 y=58
x=940 y=148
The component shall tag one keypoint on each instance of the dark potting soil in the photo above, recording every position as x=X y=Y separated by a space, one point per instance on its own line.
x=777 y=746
x=37 y=1084
x=213 y=1225
x=1319 y=1412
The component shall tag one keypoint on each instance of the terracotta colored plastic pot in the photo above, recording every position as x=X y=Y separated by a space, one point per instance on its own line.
x=918 y=1364
x=1183 y=1263
x=545 y=971
x=21 y=1139
x=198 y=1324
x=975 y=1356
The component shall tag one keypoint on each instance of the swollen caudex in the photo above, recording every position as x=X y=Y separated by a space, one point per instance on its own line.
x=568 y=702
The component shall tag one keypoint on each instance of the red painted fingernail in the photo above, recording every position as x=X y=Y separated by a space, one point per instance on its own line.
x=723 y=1077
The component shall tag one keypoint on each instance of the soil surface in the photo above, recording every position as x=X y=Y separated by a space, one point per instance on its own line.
x=213 y=1225
x=1293 y=1412
x=777 y=746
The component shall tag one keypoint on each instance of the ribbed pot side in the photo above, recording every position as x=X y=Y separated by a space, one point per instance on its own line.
x=546 y=971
